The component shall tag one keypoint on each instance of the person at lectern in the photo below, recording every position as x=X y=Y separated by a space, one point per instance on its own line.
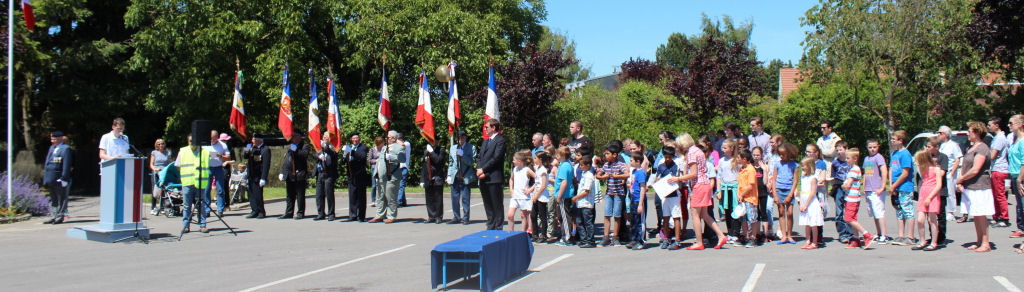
x=114 y=144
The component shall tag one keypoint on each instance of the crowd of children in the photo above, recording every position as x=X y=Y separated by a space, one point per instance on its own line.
x=743 y=181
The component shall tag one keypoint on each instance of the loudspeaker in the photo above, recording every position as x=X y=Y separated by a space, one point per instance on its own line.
x=201 y=132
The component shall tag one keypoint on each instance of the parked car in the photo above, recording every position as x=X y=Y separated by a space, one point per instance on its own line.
x=918 y=142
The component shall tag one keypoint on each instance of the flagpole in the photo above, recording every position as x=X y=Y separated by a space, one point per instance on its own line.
x=10 y=97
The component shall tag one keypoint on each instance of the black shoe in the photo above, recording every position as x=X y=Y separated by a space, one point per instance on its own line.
x=318 y=218
x=330 y=218
x=286 y=216
x=453 y=221
x=59 y=221
x=465 y=222
x=350 y=219
x=299 y=217
x=261 y=216
x=251 y=215
x=438 y=220
x=50 y=221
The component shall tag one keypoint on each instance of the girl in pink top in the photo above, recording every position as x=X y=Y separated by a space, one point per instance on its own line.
x=928 y=204
x=700 y=195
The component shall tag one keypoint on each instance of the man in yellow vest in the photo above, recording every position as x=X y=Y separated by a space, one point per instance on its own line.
x=193 y=166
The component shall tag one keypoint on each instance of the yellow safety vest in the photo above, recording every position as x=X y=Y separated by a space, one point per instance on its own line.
x=189 y=168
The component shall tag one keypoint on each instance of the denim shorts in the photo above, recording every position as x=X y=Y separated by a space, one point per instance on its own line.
x=784 y=194
x=613 y=206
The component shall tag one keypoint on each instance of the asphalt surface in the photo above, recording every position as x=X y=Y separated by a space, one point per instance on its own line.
x=306 y=255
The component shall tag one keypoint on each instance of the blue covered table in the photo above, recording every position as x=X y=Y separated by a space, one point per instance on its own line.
x=495 y=254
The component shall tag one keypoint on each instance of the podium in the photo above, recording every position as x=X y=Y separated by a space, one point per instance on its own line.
x=121 y=181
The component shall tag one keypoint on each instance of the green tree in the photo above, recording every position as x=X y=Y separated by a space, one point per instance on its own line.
x=680 y=49
x=913 y=52
x=551 y=40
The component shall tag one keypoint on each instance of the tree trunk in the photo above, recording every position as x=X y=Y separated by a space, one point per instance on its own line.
x=26 y=117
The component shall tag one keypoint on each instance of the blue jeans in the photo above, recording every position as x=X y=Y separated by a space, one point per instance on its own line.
x=585 y=224
x=401 y=187
x=460 y=201
x=844 y=230
x=189 y=194
x=219 y=177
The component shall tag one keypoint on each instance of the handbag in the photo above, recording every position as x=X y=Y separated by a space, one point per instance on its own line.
x=739 y=211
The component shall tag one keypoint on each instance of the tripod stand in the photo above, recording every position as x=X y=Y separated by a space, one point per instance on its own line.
x=205 y=204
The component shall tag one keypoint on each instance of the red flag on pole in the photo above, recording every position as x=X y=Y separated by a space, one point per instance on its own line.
x=30 y=18
x=284 y=116
x=237 y=119
x=333 y=116
x=424 y=117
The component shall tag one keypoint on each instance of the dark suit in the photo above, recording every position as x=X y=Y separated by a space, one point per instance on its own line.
x=258 y=161
x=295 y=171
x=492 y=162
x=432 y=178
x=56 y=170
x=326 y=173
x=358 y=180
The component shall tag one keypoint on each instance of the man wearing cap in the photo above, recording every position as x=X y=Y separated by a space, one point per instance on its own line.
x=461 y=160
x=258 y=160
x=294 y=172
x=355 y=156
x=218 y=155
x=56 y=175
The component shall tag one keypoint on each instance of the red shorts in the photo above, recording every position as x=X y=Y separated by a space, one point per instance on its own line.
x=700 y=196
x=850 y=212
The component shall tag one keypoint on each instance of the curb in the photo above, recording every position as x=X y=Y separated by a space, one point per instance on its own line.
x=15 y=219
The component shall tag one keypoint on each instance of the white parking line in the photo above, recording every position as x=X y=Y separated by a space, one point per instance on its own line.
x=754 y=276
x=535 y=270
x=1006 y=284
x=328 y=268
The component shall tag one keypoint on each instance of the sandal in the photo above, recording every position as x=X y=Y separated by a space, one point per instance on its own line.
x=962 y=219
x=1019 y=250
x=972 y=247
x=931 y=248
x=917 y=247
x=983 y=249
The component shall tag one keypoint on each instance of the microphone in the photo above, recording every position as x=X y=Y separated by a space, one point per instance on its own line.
x=125 y=138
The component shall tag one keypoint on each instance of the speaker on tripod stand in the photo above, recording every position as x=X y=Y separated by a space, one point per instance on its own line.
x=201 y=137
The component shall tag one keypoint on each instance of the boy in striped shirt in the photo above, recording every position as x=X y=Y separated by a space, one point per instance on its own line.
x=853 y=194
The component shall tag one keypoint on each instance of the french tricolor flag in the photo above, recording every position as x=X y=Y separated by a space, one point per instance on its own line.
x=384 y=109
x=424 y=117
x=30 y=18
x=491 y=110
x=453 y=100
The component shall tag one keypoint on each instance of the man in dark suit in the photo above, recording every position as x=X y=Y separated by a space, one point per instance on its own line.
x=56 y=176
x=358 y=177
x=490 y=169
x=433 y=181
x=294 y=173
x=326 y=173
x=257 y=158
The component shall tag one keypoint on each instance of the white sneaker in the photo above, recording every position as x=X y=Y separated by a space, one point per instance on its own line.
x=949 y=217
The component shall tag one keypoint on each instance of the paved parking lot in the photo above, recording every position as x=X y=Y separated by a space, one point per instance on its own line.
x=289 y=255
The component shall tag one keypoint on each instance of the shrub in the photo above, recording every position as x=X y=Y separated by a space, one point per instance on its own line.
x=27 y=196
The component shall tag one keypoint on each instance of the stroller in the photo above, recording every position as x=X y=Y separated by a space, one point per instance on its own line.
x=171 y=197
x=238 y=186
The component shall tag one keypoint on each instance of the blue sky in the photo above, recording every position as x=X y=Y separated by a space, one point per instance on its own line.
x=608 y=33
